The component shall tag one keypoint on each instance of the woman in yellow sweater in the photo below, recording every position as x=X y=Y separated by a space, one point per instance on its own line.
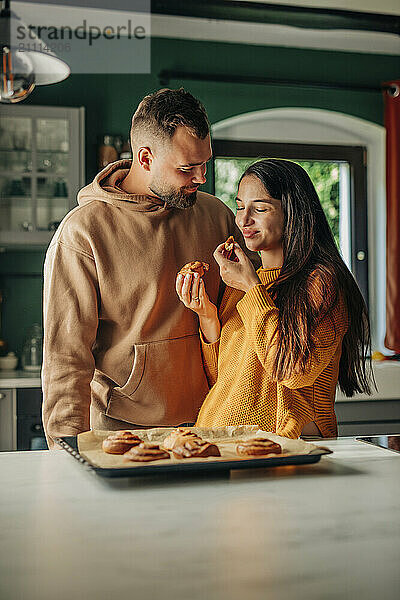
x=285 y=335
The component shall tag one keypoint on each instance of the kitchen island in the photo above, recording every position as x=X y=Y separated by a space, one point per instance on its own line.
x=323 y=531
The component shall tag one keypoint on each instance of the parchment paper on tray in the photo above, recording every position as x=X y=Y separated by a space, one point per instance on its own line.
x=90 y=445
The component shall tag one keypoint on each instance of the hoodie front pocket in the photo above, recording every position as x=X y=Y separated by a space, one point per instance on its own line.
x=166 y=386
x=136 y=375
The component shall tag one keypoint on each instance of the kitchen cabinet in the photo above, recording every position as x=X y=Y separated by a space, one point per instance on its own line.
x=41 y=171
x=21 y=420
x=21 y=412
x=30 y=432
x=8 y=412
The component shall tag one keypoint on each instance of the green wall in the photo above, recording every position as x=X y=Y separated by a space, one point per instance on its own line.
x=21 y=285
x=109 y=101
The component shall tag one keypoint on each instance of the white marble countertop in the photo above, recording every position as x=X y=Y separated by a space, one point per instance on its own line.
x=318 y=532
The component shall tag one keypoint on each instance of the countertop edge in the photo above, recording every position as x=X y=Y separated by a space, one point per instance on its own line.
x=387 y=376
x=19 y=379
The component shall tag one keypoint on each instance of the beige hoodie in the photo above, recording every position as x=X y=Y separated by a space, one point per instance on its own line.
x=116 y=335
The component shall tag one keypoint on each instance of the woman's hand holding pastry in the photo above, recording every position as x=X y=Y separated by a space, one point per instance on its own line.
x=191 y=291
x=239 y=275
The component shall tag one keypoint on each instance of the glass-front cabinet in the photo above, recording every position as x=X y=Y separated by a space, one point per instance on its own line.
x=41 y=170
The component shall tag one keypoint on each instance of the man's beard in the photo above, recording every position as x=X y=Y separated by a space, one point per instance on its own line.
x=176 y=198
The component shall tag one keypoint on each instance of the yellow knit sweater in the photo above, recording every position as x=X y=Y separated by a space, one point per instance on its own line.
x=238 y=368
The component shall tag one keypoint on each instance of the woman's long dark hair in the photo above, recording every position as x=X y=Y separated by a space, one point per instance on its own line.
x=312 y=280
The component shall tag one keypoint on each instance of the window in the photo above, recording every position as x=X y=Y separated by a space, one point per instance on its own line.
x=338 y=174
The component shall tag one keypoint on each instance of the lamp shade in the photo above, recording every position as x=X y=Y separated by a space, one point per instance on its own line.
x=48 y=68
x=25 y=65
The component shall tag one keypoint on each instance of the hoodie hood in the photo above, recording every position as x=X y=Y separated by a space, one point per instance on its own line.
x=104 y=188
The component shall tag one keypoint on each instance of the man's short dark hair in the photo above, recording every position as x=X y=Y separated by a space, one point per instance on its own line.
x=159 y=114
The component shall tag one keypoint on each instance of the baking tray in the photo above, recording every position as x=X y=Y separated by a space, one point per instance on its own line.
x=187 y=466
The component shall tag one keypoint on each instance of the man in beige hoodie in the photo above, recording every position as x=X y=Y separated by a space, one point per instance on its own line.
x=120 y=349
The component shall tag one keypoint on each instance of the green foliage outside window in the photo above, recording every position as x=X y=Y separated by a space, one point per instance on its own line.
x=323 y=174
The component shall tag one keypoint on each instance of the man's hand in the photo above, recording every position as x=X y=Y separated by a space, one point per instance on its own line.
x=239 y=275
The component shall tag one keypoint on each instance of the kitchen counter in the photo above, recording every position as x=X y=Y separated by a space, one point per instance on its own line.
x=316 y=532
x=19 y=379
x=387 y=375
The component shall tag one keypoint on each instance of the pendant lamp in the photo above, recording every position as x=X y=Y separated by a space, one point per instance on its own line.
x=22 y=69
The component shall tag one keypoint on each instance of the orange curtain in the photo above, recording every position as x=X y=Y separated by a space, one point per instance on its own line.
x=392 y=125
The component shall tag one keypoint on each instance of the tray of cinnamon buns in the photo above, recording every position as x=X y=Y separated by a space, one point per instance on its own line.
x=182 y=449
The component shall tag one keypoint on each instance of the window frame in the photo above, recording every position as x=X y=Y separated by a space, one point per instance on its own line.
x=355 y=156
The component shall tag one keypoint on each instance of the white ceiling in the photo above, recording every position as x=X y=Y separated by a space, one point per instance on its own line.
x=383 y=6
x=191 y=28
x=274 y=35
